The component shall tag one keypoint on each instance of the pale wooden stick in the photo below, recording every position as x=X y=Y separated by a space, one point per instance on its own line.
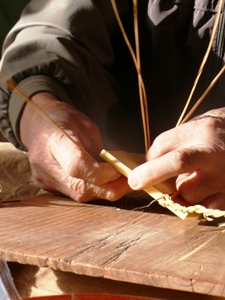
x=143 y=98
x=124 y=34
x=142 y=94
x=123 y=168
x=204 y=95
x=215 y=26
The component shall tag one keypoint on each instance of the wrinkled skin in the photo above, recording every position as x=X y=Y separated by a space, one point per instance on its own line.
x=192 y=153
x=57 y=163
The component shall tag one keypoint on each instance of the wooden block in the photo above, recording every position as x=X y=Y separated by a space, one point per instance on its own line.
x=154 y=249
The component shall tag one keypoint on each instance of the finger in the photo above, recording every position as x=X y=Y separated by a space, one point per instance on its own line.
x=83 y=191
x=184 y=136
x=167 y=187
x=216 y=201
x=167 y=166
x=79 y=164
x=189 y=187
x=168 y=141
x=110 y=191
x=162 y=144
x=94 y=172
x=76 y=188
x=197 y=186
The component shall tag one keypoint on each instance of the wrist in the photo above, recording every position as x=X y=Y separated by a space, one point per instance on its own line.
x=33 y=122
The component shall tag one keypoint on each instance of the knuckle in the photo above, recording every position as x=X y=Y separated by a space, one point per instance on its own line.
x=182 y=159
x=76 y=165
x=81 y=198
x=186 y=194
x=114 y=194
x=111 y=196
x=157 y=147
x=78 y=185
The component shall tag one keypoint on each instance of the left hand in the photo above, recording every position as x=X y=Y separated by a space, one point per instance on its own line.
x=194 y=153
x=60 y=165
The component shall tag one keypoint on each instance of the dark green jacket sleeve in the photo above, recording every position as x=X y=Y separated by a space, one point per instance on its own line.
x=62 y=47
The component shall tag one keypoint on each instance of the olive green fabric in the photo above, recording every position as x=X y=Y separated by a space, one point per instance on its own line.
x=10 y=11
x=54 y=48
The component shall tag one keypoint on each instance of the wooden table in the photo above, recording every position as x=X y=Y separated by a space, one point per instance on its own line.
x=149 y=248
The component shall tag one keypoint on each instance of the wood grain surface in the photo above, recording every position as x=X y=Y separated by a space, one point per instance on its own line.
x=32 y=281
x=151 y=248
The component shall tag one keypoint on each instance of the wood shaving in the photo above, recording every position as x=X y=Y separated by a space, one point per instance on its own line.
x=183 y=211
x=125 y=162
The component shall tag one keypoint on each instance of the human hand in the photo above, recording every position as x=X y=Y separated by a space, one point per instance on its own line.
x=193 y=153
x=60 y=165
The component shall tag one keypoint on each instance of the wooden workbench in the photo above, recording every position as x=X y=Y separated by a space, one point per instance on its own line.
x=149 y=248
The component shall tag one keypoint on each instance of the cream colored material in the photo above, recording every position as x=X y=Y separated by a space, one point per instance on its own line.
x=126 y=162
x=16 y=181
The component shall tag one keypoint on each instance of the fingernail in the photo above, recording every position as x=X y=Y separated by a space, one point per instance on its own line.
x=134 y=181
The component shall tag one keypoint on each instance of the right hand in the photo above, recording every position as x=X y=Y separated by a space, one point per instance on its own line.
x=193 y=154
x=62 y=166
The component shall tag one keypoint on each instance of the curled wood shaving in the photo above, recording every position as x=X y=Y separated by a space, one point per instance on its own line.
x=124 y=163
x=208 y=213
